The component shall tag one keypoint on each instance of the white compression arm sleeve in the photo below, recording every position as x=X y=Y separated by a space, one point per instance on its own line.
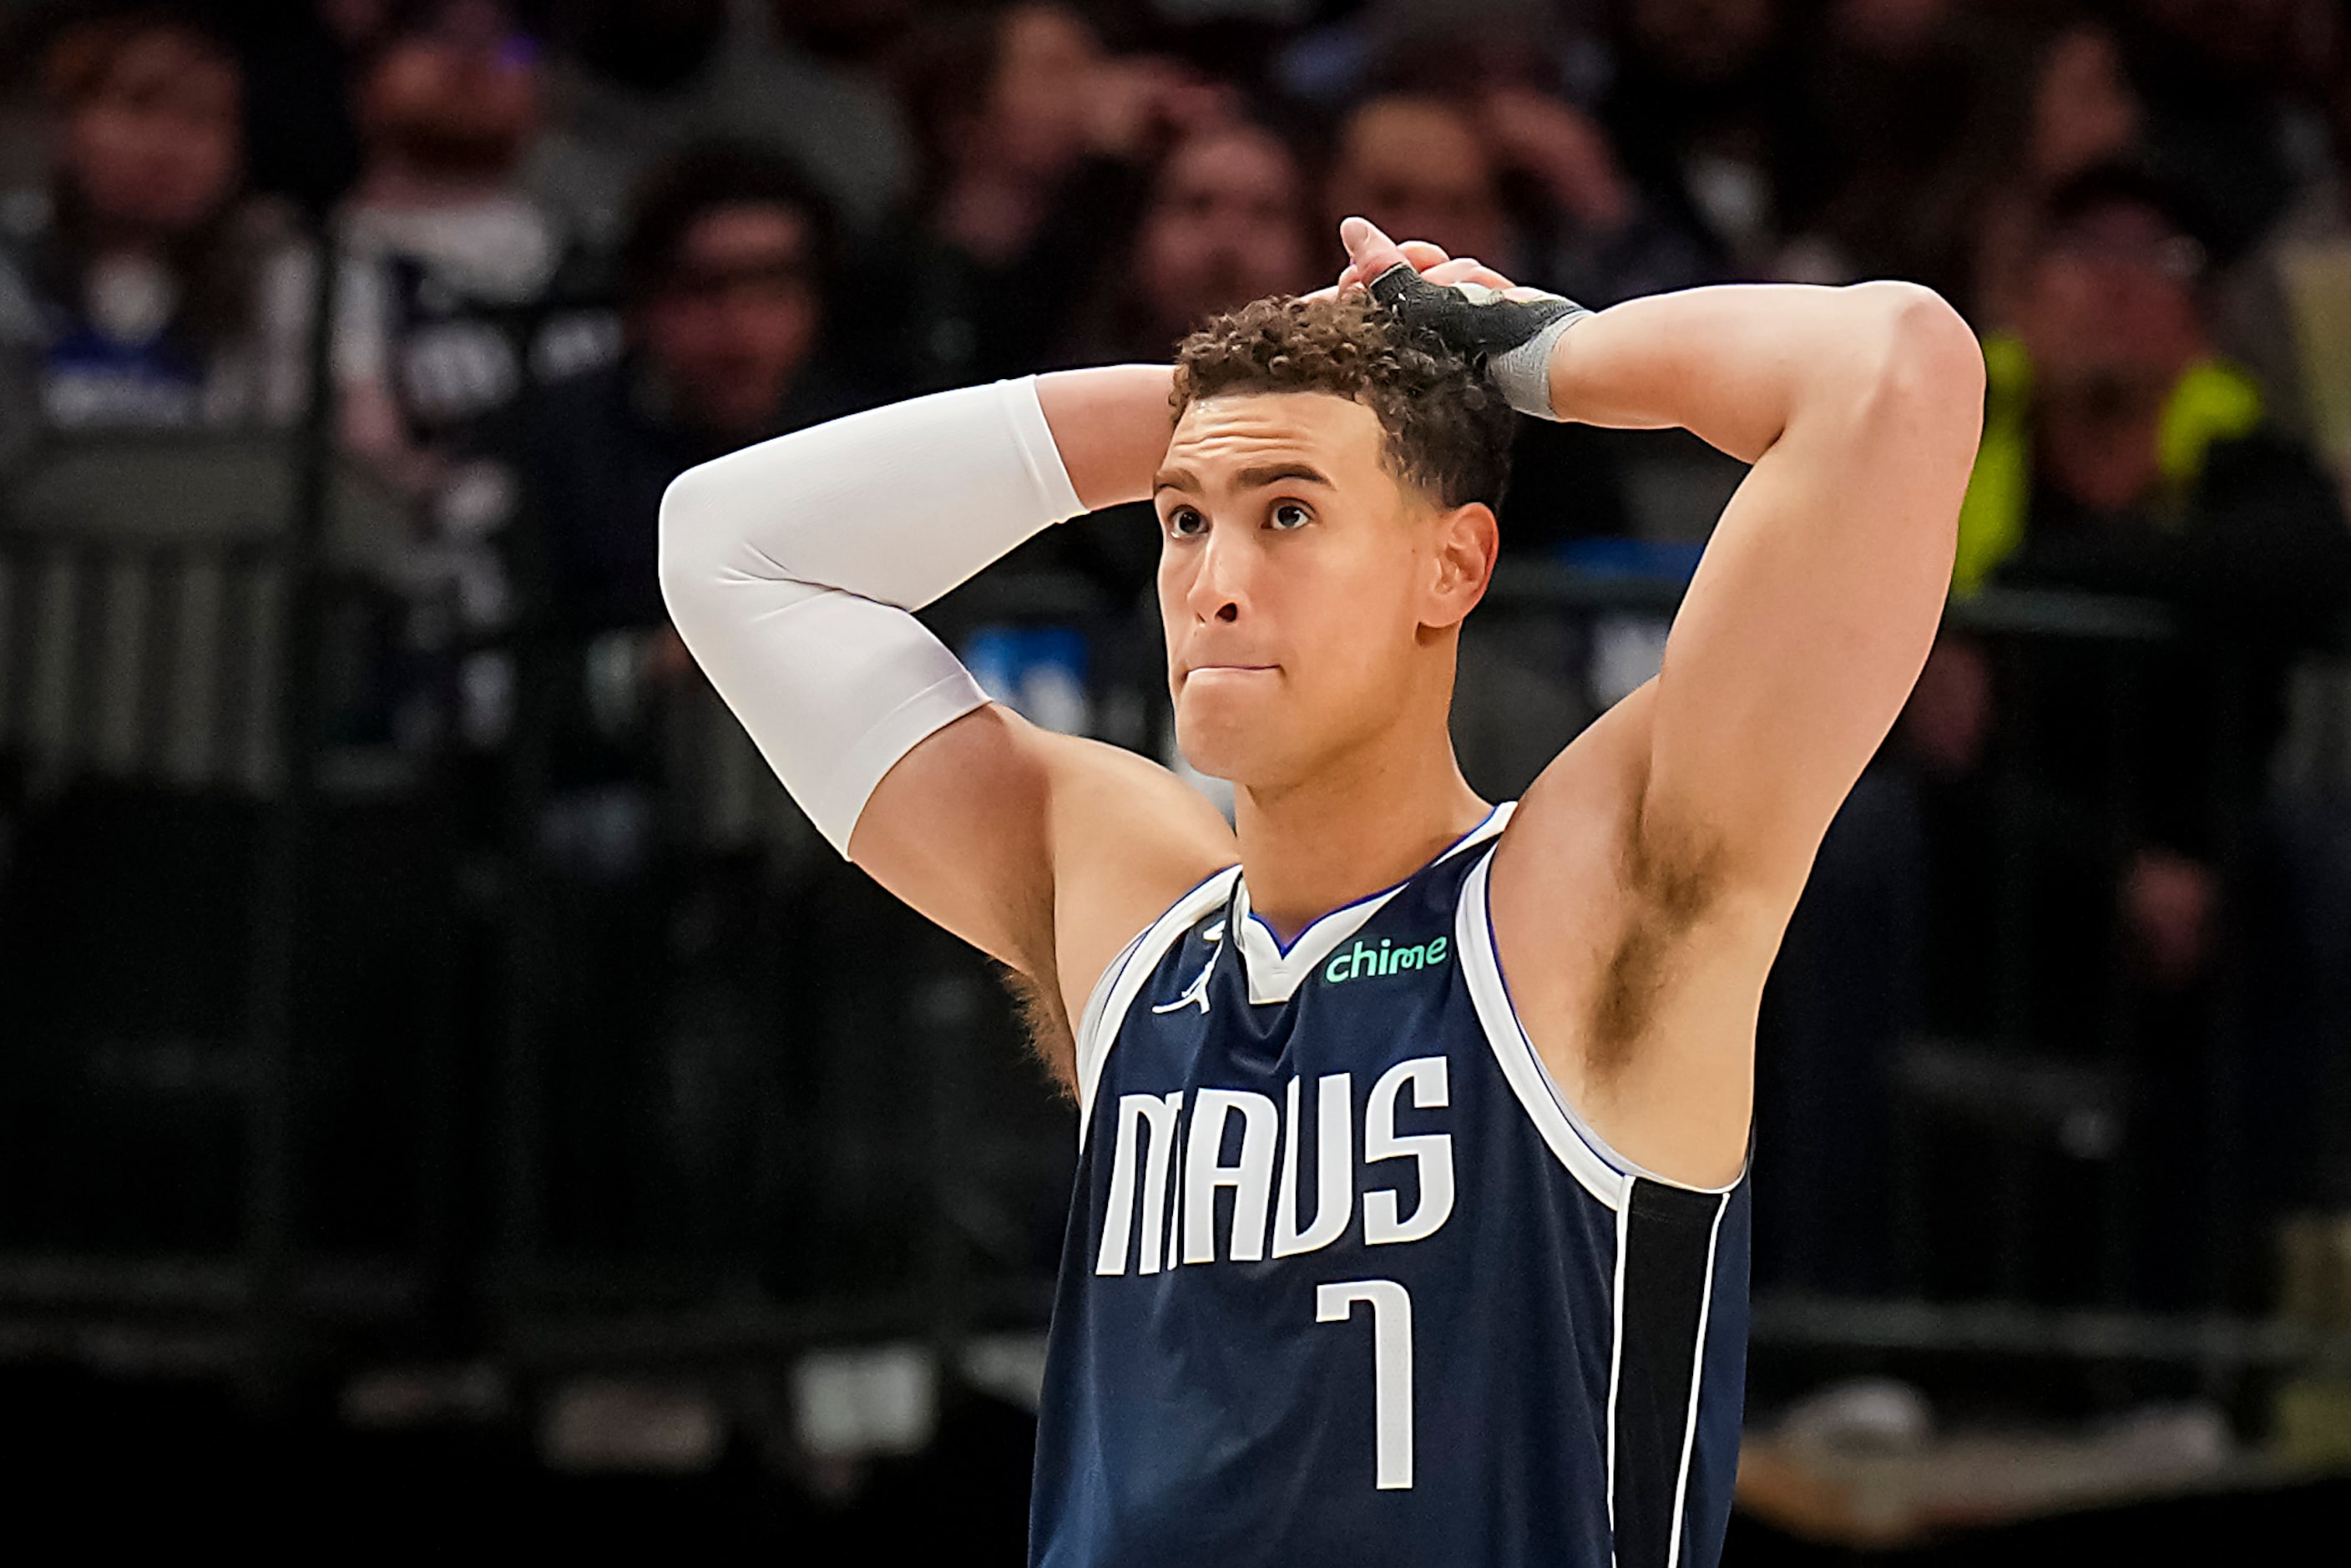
x=789 y=568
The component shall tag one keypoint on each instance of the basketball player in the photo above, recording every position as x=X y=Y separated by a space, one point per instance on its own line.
x=1411 y=1215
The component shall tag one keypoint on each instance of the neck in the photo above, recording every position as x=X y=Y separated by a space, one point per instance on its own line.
x=1359 y=823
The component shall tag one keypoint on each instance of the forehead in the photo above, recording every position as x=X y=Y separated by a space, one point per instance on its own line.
x=741 y=230
x=1243 y=162
x=1236 y=430
x=164 y=65
x=1428 y=140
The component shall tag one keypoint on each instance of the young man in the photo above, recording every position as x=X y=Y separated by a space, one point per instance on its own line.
x=1482 y=1072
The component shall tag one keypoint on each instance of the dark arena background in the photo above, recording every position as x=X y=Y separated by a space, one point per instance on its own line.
x=448 y=1092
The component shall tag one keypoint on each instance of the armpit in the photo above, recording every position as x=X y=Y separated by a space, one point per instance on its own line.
x=1046 y=1023
x=1670 y=886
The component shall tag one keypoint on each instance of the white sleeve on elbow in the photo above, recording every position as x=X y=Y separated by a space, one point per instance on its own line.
x=789 y=568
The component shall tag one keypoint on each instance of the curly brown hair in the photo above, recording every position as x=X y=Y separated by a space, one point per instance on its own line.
x=1448 y=431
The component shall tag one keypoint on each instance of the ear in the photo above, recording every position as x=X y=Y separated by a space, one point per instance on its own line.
x=1461 y=564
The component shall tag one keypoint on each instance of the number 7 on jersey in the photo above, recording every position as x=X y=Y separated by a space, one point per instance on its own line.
x=1391 y=1306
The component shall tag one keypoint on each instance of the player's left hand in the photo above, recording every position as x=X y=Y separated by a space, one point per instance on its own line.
x=1506 y=331
x=1430 y=260
x=1370 y=252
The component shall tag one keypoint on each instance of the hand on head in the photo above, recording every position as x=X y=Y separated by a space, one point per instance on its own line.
x=1371 y=252
x=1506 y=331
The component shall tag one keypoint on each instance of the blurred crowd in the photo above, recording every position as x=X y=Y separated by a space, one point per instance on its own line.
x=570 y=247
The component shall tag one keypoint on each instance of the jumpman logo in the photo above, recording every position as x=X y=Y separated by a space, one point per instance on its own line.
x=1197 y=991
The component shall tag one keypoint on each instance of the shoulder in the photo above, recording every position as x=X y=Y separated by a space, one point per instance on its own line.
x=1095 y=780
x=1129 y=839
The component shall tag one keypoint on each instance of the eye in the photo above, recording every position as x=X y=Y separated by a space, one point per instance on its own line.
x=1289 y=515
x=1186 y=522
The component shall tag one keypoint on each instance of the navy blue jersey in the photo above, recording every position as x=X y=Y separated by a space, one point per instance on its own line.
x=1348 y=1282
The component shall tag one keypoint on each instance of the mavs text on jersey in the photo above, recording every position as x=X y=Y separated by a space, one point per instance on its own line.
x=1348 y=1282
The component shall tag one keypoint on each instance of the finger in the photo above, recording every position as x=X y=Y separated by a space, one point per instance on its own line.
x=1419 y=252
x=1370 y=251
x=1453 y=271
x=1467 y=270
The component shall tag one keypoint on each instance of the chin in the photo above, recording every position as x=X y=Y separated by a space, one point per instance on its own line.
x=1242 y=742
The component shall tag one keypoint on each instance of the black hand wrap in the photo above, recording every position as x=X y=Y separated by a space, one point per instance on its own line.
x=1510 y=340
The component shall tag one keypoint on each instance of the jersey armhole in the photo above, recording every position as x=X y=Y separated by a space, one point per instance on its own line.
x=1607 y=1175
x=1112 y=994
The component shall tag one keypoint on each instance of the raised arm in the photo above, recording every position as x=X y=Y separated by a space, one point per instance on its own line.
x=1693 y=810
x=790 y=568
x=1817 y=599
x=1639 y=896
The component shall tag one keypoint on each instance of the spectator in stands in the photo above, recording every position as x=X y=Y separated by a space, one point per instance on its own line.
x=1442 y=168
x=1417 y=165
x=2056 y=103
x=1037 y=145
x=451 y=289
x=1228 y=221
x=2120 y=456
x=638 y=80
x=2219 y=80
x=1701 y=109
x=2119 y=453
x=1437 y=167
x=1890 y=87
x=650 y=791
x=725 y=269
x=150 y=293
x=724 y=266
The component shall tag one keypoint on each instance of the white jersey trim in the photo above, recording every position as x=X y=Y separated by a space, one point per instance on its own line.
x=1604 y=1174
x=1616 y=1347
x=1567 y=1131
x=1115 y=992
x=1698 y=1383
x=1275 y=972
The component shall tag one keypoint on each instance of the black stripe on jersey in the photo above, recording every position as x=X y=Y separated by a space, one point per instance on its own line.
x=1668 y=1275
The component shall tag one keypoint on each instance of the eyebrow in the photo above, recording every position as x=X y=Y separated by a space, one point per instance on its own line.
x=1249 y=478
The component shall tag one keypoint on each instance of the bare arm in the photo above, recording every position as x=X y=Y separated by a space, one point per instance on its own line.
x=1046 y=852
x=790 y=568
x=1818 y=594
x=1691 y=813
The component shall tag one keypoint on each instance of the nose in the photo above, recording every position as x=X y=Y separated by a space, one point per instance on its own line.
x=1221 y=587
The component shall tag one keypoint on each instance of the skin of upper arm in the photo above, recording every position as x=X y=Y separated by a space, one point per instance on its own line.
x=1046 y=852
x=1642 y=889
x=1814 y=607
